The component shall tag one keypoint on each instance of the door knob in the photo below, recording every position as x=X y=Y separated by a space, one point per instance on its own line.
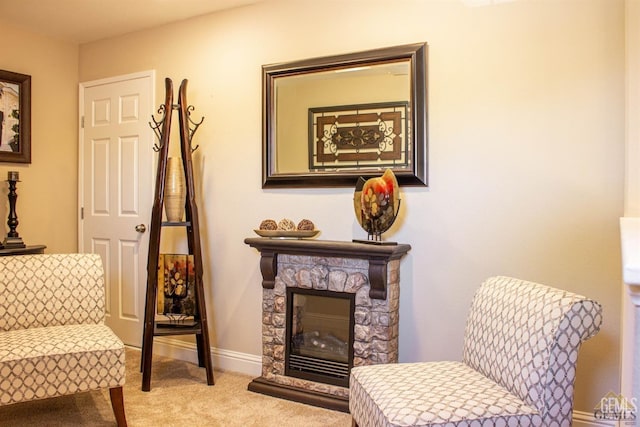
x=140 y=228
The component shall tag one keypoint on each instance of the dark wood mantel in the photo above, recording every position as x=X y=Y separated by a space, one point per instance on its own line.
x=377 y=255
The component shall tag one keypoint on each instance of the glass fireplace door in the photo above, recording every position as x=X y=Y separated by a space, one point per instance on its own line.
x=319 y=335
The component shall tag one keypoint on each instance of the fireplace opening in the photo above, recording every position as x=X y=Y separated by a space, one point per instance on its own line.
x=319 y=344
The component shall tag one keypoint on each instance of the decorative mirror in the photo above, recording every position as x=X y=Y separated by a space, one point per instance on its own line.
x=328 y=121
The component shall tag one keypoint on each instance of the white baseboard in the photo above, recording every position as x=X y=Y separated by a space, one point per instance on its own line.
x=224 y=360
x=585 y=419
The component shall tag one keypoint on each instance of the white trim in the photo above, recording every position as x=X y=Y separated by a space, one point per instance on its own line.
x=630 y=236
x=123 y=77
x=629 y=346
x=632 y=108
x=225 y=360
x=585 y=419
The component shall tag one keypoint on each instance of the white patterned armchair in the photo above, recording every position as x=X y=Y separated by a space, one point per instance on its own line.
x=53 y=340
x=518 y=366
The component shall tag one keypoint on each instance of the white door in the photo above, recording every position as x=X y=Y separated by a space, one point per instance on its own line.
x=116 y=191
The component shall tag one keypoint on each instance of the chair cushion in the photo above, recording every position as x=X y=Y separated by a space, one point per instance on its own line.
x=46 y=362
x=433 y=394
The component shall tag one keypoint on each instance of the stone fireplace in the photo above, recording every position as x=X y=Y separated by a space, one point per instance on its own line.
x=294 y=272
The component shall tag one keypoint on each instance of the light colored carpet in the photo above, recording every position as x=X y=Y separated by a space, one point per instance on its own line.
x=179 y=396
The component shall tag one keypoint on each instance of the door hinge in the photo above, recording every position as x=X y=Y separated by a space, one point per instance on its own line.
x=81 y=213
x=82 y=122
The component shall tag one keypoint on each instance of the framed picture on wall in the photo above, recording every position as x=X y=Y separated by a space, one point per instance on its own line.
x=15 y=117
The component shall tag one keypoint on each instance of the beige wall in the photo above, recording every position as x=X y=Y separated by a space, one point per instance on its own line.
x=526 y=154
x=47 y=203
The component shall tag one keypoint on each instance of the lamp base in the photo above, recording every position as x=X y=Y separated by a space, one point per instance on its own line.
x=13 y=243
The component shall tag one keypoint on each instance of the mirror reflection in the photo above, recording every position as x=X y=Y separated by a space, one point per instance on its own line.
x=325 y=119
x=330 y=120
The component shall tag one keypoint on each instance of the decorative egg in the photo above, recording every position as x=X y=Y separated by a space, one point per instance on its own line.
x=306 y=225
x=268 y=224
x=286 y=224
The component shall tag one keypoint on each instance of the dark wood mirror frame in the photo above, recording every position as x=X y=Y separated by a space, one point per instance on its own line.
x=414 y=175
x=23 y=152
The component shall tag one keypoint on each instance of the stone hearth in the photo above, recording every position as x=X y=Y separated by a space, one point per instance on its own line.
x=371 y=272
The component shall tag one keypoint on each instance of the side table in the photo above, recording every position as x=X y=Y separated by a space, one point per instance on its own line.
x=34 y=249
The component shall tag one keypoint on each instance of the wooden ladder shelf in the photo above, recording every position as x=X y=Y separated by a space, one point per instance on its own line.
x=199 y=326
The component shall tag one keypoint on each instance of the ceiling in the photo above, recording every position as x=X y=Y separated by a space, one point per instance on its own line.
x=83 y=21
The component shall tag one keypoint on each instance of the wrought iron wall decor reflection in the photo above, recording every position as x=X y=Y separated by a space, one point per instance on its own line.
x=356 y=136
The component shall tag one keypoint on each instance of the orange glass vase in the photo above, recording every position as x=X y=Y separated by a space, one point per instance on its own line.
x=377 y=203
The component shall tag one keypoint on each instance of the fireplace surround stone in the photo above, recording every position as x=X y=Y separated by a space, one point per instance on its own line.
x=371 y=272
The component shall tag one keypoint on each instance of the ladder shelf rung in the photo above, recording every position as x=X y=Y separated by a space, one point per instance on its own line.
x=160 y=331
x=176 y=224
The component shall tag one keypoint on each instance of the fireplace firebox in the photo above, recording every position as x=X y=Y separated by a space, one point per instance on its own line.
x=319 y=335
x=327 y=306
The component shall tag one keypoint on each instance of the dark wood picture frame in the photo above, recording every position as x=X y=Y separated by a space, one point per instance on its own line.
x=18 y=85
